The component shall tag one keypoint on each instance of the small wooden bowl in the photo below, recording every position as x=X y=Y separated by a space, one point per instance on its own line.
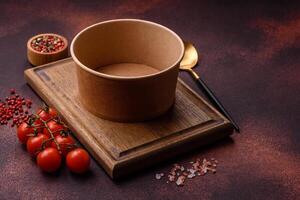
x=40 y=58
x=132 y=41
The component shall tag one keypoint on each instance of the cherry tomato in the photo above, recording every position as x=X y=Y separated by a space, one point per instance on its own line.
x=38 y=123
x=78 y=160
x=47 y=113
x=66 y=143
x=55 y=128
x=24 y=131
x=34 y=144
x=49 y=160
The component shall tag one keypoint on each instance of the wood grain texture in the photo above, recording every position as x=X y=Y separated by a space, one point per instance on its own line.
x=118 y=147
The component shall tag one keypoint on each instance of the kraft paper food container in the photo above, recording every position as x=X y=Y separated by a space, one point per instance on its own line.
x=39 y=58
x=123 y=98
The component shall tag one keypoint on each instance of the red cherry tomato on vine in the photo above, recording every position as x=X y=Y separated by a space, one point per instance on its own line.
x=24 y=131
x=28 y=128
x=47 y=113
x=38 y=125
x=49 y=160
x=66 y=143
x=55 y=128
x=34 y=144
x=78 y=160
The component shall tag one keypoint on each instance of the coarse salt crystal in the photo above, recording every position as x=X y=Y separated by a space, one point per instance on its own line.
x=180 y=180
x=171 y=178
x=158 y=176
x=191 y=175
x=179 y=173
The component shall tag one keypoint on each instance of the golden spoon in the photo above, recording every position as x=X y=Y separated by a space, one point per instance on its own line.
x=190 y=60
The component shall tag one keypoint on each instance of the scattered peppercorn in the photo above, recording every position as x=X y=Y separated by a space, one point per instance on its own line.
x=47 y=43
x=12 y=109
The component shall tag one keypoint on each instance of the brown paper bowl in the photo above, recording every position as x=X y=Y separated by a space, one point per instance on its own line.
x=39 y=58
x=123 y=98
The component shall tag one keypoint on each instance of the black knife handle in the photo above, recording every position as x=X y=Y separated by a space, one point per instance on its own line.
x=215 y=101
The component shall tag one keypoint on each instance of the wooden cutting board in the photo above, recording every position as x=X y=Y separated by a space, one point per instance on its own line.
x=123 y=148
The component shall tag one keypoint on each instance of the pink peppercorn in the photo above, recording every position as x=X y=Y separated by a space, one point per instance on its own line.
x=47 y=43
x=12 y=109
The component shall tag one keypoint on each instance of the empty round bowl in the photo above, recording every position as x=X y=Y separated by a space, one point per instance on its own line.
x=127 y=69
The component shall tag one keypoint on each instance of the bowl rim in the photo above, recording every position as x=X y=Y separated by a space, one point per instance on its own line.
x=47 y=53
x=103 y=75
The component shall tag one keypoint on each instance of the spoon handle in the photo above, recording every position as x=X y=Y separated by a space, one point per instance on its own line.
x=215 y=101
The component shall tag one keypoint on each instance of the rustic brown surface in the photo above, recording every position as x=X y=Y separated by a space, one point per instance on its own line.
x=119 y=146
x=250 y=59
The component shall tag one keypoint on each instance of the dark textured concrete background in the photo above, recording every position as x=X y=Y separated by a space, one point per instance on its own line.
x=250 y=59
